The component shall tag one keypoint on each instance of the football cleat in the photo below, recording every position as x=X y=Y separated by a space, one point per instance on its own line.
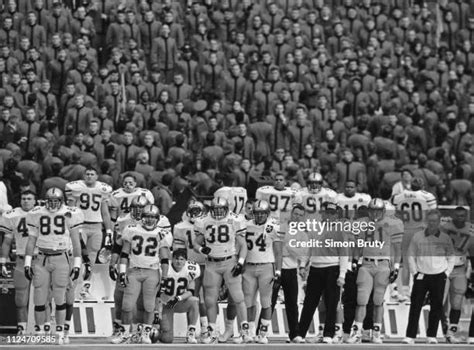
x=209 y=337
x=145 y=335
x=408 y=340
x=366 y=335
x=451 y=335
x=191 y=337
x=244 y=337
x=431 y=340
x=60 y=338
x=327 y=340
x=298 y=340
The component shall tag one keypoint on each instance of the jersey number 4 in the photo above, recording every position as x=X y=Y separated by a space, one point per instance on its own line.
x=219 y=233
x=22 y=228
x=150 y=248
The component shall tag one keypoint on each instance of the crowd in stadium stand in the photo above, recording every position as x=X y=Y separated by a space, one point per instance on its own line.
x=189 y=92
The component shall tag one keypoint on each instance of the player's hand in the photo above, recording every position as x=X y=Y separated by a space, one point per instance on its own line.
x=123 y=279
x=393 y=276
x=4 y=270
x=29 y=272
x=75 y=272
x=113 y=272
x=87 y=270
x=205 y=250
x=340 y=281
x=355 y=265
x=237 y=269
x=108 y=241
x=172 y=303
x=277 y=278
x=303 y=273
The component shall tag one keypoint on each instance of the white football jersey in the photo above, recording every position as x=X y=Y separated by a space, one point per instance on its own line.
x=145 y=245
x=260 y=240
x=312 y=202
x=351 y=204
x=413 y=206
x=179 y=281
x=281 y=202
x=463 y=241
x=185 y=237
x=89 y=199
x=235 y=196
x=53 y=229
x=220 y=235
x=122 y=200
x=13 y=223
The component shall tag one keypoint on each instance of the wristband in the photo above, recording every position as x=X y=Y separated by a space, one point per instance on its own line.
x=77 y=261
x=28 y=259
x=241 y=261
x=278 y=272
x=122 y=268
x=108 y=232
x=397 y=266
x=179 y=298
x=164 y=261
x=3 y=260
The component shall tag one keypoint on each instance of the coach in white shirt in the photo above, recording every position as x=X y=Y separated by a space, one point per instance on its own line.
x=404 y=183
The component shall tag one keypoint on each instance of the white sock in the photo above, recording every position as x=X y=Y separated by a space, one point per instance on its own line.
x=377 y=326
x=252 y=328
x=203 y=321
x=358 y=326
x=22 y=325
x=338 y=332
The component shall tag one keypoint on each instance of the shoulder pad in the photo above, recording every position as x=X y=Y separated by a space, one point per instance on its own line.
x=104 y=188
x=116 y=192
x=10 y=212
x=36 y=209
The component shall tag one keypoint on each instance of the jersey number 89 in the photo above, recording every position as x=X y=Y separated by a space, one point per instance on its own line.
x=58 y=222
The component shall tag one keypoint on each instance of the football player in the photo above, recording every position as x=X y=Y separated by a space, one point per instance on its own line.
x=263 y=265
x=184 y=237
x=279 y=197
x=351 y=200
x=144 y=250
x=235 y=196
x=132 y=218
x=376 y=272
x=122 y=198
x=312 y=196
x=231 y=312
x=13 y=224
x=92 y=197
x=412 y=206
x=52 y=229
x=178 y=296
x=462 y=233
x=220 y=236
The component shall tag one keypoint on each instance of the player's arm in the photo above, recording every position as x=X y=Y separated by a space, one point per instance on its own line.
x=124 y=255
x=200 y=245
x=104 y=209
x=164 y=260
x=241 y=248
x=343 y=260
x=4 y=252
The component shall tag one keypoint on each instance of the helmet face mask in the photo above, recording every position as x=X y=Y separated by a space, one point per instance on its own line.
x=261 y=212
x=150 y=217
x=376 y=209
x=54 y=199
x=195 y=210
x=314 y=182
x=136 y=208
x=219 y=208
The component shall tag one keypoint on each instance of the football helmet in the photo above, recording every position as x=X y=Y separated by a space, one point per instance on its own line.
x=195 y=210
x=136 y=207
x=314 y=182
x=261 y=211
x=376 y=209
x=54 y=199
x=150 y=216
x=219 y=208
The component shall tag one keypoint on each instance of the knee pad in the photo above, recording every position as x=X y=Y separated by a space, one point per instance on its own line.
x=61 y=307
x=40 y=308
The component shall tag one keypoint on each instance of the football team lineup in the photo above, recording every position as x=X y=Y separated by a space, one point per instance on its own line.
x=302 y=248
